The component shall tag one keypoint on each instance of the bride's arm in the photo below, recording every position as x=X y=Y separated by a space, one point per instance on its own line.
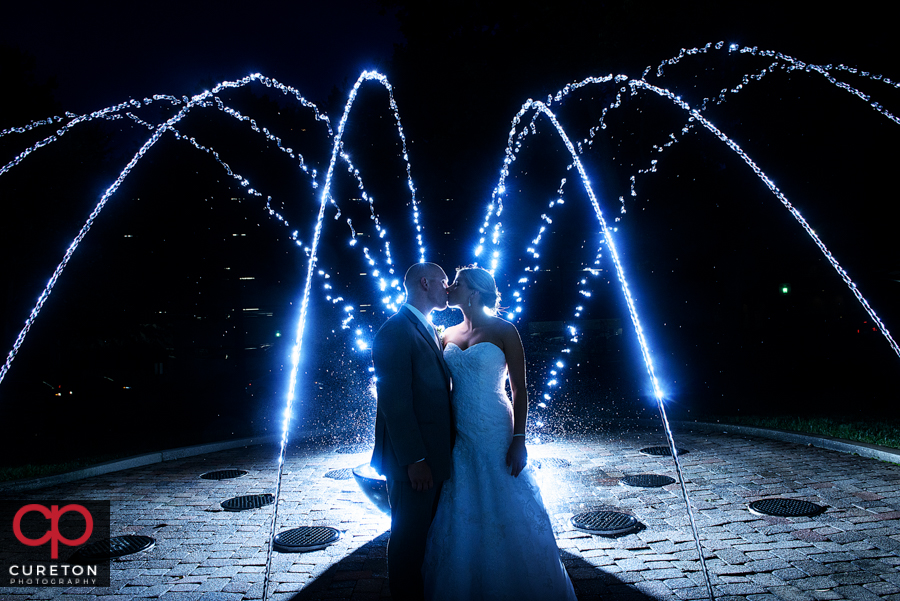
x=517 y=456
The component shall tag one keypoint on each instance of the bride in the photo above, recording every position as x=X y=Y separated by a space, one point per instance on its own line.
x=491 y=537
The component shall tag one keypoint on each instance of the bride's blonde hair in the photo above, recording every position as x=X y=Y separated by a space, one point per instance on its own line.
x=480 y=279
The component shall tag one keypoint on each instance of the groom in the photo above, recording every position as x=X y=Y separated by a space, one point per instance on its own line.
x=413 y=428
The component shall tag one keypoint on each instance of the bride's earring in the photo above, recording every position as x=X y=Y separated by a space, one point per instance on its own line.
x=470 y=301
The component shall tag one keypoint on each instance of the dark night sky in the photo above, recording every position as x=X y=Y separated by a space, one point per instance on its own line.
x=462 y=71
x=105 y=52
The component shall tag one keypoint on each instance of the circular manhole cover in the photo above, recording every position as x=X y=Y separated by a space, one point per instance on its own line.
x=341 y=474
x=785 y=508
x=248 y=502
x=224 y=474
x=305 y=538
x=111 y=548
x=605 y=523
x=648 y=480
x=661 y=451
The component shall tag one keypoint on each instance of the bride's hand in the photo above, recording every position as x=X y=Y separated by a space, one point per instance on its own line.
x=517 y=456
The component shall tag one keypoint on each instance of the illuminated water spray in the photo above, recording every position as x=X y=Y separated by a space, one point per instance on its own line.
x=540 y=107
x=488 y=249
x=782 y=61
x=489 y=242
x=337 y=151
x=205 y=100
x=385 y=280
x=159 y=131
x=851 y=285
x=200 y=100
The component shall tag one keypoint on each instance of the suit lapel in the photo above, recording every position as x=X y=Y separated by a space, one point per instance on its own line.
x=426 y=334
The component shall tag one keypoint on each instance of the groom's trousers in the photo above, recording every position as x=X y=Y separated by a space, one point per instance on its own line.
x=411 y=515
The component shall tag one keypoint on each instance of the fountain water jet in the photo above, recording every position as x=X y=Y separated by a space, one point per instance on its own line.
x=304 y=304
x=540 y=107
x=326 y=197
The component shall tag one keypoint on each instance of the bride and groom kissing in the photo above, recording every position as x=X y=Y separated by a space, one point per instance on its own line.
x=467 y=518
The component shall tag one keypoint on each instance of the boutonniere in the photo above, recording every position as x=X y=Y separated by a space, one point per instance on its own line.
x=440 y=331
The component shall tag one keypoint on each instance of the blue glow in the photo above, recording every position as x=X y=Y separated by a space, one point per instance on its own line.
x=491 y=234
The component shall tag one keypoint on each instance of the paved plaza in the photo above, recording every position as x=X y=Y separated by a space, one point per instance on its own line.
x=851 y=551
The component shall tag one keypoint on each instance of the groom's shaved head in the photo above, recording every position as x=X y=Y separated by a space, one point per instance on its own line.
x=421 y=270
x=426 y=287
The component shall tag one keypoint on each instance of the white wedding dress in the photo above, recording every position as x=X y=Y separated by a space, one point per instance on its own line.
x=491 y=537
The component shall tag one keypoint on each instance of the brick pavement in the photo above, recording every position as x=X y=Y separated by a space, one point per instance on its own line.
x=207 y=554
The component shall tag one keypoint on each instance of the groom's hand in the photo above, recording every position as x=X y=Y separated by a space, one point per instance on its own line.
x=517 y=456
x=420 y=476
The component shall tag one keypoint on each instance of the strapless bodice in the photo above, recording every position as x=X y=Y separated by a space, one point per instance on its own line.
x=481 y=409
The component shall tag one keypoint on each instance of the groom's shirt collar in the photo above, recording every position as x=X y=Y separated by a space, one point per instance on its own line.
x=421 y=317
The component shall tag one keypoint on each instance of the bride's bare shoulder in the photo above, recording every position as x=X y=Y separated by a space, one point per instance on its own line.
x=505 y=330
x=501 y=325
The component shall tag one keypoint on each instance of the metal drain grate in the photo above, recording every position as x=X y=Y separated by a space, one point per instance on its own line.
x=605 y=523
x=648 y=480
x=785 y=508
x=111 y=548
x=341 y=474
x=554 y=462
x=661 y=451
x=305 y=538
x=248 y=502
x=224 y=474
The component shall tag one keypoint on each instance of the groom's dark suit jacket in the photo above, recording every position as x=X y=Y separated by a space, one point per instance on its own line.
x=413 y=385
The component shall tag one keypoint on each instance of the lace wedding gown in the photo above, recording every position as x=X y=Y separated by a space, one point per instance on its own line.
x=491 y=537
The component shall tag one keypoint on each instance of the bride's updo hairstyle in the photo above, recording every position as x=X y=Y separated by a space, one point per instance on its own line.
x=478 y=278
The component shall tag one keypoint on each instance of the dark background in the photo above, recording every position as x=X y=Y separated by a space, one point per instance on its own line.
x=154 y=336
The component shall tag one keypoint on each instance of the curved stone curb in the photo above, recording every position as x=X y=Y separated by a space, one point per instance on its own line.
x=862 y=449
x=146 y=459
